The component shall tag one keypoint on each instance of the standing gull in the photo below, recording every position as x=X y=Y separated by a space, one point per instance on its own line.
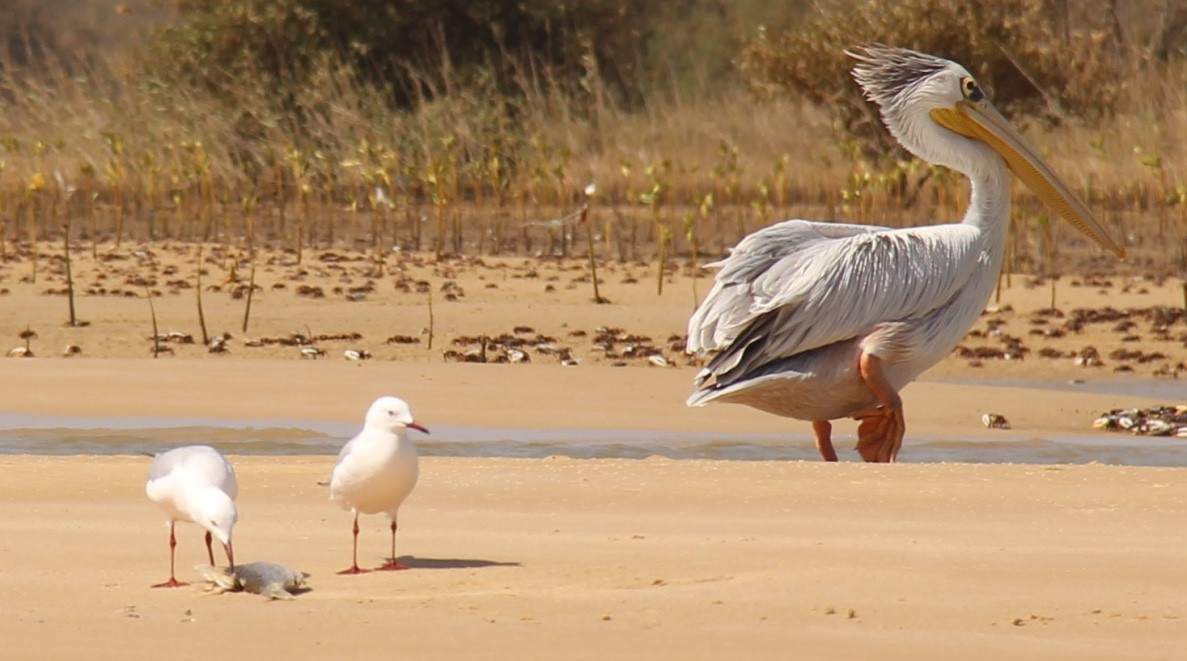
x=376 y=470
x=197 y=484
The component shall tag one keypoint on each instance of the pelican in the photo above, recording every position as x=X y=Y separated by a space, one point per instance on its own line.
x=820 y=321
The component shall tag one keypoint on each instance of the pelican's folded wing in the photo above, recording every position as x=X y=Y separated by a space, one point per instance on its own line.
x=801 y=285
x=729 y=305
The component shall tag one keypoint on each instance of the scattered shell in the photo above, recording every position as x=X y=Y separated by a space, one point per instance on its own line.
x=312 y=352
x=1154 y=421
x=71 y=350
x=357 y=354
x=177 y=337
x=20 y=352
x=1157 y=427
x=995 y=421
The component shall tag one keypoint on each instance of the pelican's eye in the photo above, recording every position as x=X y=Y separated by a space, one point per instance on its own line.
x=970 y=88
x=391 y=413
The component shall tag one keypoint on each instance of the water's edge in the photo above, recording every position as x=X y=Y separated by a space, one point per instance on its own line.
x=61 y=435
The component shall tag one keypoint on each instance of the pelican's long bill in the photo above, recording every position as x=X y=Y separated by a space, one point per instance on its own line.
x=981 y=121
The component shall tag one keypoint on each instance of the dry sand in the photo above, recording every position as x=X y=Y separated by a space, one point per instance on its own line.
x=565 y=558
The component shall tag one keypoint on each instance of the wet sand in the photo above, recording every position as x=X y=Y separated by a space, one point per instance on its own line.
x=539 y=558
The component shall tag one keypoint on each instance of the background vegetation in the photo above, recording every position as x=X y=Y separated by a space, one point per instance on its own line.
x=477 y=127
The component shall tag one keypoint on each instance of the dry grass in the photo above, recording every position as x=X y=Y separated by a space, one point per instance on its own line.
x=472 y=172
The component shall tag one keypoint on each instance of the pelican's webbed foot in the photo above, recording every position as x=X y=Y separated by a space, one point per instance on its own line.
x=880 y=434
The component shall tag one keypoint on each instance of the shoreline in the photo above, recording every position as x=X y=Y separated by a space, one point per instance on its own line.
x=502 y=396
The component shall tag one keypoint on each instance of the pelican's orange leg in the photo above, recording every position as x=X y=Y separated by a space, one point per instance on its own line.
x=823 y=430
x=880 y=434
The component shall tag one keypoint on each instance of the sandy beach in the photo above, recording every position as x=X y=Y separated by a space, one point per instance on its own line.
x=558 y=557
x=639 y=559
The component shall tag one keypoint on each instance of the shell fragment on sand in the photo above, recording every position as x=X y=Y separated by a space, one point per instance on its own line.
x=995 y=421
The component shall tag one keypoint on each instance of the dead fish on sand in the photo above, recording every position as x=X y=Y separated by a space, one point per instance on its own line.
x=269 y=579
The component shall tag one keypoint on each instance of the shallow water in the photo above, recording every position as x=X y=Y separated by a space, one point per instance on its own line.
x=54 y=435
x=1174 y=391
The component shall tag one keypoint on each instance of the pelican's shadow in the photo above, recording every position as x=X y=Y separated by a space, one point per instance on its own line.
x=451 y=563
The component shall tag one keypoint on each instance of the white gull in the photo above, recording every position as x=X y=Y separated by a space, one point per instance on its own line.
x=377 y=469
x=196 y=484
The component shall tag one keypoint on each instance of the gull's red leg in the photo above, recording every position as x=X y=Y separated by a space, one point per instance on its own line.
x=391 y=564
x=172 y=582
x=354 y=563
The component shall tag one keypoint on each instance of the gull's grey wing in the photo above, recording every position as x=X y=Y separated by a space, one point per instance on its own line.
x=165 y=462
x=337 y=462
x=344 y=451
x=162 y=465
x=203 y=460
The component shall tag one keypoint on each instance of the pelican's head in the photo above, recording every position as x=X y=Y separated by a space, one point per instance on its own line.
x=215 y=511
x=936 y=109
x=391 y=414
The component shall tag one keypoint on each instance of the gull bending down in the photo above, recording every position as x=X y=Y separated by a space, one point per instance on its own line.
x=196 y=484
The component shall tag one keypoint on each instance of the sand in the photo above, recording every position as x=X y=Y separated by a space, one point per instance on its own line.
x=598 y=558
x=558 y=557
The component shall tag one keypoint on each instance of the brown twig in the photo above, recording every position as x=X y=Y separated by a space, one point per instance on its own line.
x=156 y=335
x=198 y=291
x=593 y=262
x=430 y=343
x=69 y=277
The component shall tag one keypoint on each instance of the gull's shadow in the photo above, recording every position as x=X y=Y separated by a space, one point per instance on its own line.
x=451 y=563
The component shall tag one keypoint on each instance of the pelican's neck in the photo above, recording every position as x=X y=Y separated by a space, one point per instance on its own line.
x=989 y=205
x=989 y=212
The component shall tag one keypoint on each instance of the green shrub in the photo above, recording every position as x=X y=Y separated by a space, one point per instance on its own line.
x=411 y=48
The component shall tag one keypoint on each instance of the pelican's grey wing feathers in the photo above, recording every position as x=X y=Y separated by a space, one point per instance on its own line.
x=728 y=306
x=817 y=290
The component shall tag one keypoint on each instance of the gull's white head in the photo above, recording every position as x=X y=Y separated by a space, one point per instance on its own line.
x=215 y=511
x=391 y=414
